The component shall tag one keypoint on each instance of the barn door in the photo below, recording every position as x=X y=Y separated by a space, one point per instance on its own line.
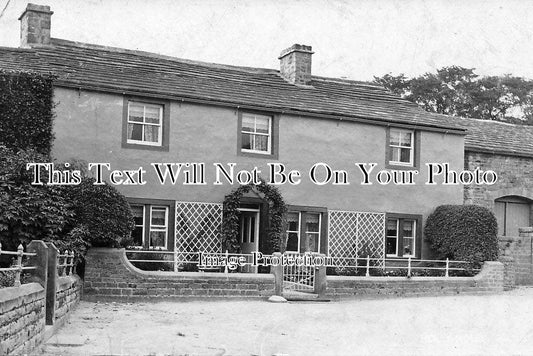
x=511 y=214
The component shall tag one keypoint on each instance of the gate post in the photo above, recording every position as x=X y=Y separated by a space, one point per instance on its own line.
x=52 y=284
x=320 y=277
x=40 y=261
x=277 y=271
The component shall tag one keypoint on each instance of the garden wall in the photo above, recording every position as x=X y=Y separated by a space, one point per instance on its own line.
x=517 y=253
x=109 y=275
x=489 y=280
x=68 y=294
x=22 y=318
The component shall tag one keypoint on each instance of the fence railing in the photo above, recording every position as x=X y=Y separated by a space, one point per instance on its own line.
x=362 y=266
x=18 y=267
x=406 y=267
x=67 y=267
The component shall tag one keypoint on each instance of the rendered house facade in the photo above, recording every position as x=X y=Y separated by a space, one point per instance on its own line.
x=133 y=109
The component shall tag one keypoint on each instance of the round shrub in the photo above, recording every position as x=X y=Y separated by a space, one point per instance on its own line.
x=463 y=232
x=103 y=216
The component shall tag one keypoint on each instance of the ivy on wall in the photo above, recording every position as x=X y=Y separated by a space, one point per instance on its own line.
x=276 y=214
x=26 y=111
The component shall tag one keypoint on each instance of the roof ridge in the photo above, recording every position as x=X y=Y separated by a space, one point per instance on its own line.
x=62 y=42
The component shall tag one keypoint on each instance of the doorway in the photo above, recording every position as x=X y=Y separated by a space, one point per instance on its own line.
x=249 y=235
x=512 y=213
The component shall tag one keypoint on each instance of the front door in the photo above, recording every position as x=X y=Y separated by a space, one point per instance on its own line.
x=249 y=235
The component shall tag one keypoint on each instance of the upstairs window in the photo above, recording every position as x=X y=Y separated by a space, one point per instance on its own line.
x=256 y=133
x=145 y=124
x=401 y=147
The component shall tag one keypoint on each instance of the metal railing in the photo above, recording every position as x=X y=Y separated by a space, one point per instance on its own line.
x=67 y=267
x=409 y=265
x=18 y=266
x=366 y=266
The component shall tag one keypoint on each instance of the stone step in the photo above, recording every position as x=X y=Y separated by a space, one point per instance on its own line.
x=296 y=296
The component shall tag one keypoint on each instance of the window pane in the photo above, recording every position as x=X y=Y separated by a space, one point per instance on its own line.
x=392 y=227
x=292 y=241
x=395 y=154
x=406 y=139
x=262 y=125
x=157 y=238
x=151 y=133
x=136 y=112
x=408 y=228
x=391 y=246
x=252 y=229
x=248 y=124
x=159 y=216
x=137 y=236
x=152 y=114
x=405 y=155
x=247 y=141
x=312 y=242
x=293 y=222
x=138 y=214
x=312 y=223
x=135 y=132
x=261 y=143
x=408 y=246
x=394 y=138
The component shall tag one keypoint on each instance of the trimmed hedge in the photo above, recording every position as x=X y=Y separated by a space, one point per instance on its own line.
x=26 y=104
x=463 y=232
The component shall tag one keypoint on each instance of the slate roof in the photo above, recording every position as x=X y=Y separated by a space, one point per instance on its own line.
x=497 y=137
x=87 y=66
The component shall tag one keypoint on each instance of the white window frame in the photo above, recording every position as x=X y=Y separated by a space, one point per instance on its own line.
x=298 y=231
x=143 y=123
x=142 y=226
x=413 y=250
x=319 y=232
x=399 y=146
x=255 y=133
x=397 y=237
x=158 y=228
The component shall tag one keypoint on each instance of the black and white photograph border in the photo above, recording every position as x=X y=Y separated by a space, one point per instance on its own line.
x=266 y=177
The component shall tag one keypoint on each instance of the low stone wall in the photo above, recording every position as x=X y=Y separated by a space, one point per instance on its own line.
x=517 y=254
x=68 y=294
x=109 y=275
x=488 y=280
x=22 y=318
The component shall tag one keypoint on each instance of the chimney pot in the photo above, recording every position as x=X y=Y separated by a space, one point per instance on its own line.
x=295 y=64
x=35 y=24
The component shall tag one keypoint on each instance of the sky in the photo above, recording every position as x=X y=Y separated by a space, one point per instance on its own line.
x=354 y=39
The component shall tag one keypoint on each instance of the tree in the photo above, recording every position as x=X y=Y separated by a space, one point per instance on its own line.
x=458 y=91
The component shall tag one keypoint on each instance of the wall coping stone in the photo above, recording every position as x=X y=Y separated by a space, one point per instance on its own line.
x=10 y=293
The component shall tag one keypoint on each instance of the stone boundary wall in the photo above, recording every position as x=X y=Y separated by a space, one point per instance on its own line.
x=109 y=275
x=22 y=318
x=517 y=254
x=68 y=294
x=488 y=280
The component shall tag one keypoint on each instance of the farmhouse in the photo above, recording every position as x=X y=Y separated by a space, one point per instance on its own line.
x=133 y=111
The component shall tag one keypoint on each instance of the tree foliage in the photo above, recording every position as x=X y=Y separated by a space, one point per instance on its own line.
x=458 y=91
x=463 y=232
x=26 y=103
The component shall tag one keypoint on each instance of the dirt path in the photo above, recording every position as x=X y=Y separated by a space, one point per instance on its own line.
x=463 y=325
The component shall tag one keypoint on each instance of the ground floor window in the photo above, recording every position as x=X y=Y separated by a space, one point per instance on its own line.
x=512 y=213
x=152 y=224
x=402 y=235
x=304 y=230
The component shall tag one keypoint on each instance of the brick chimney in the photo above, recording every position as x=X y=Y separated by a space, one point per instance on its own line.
x=295 y=64
x=35 y=25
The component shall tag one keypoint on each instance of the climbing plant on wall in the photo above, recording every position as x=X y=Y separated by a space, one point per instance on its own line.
x=26 y=111
x=276 y=215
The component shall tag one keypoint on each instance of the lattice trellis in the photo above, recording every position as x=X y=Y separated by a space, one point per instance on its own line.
x=198 y=228
x=355 y=234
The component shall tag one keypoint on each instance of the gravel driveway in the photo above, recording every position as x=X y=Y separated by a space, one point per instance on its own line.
x=461 y=325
